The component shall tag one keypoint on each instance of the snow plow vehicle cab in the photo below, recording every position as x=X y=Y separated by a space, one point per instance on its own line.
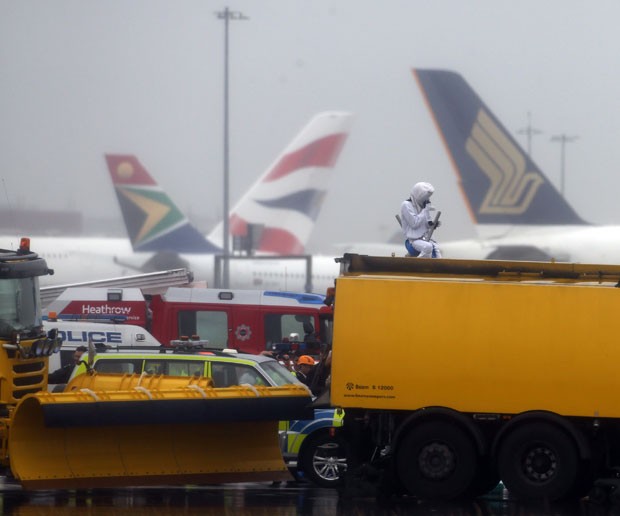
x=25 y=344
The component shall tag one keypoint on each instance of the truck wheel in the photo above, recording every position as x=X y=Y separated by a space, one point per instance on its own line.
x=323 y=460
x=538 y=461
x=436 y=460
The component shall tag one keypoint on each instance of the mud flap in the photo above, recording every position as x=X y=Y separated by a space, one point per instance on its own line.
x=116 y=439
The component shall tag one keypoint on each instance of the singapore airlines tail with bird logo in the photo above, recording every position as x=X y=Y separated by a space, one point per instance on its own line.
x=499 y=181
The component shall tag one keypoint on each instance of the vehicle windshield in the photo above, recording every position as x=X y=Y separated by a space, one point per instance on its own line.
x=279 y=374
x=20 y=306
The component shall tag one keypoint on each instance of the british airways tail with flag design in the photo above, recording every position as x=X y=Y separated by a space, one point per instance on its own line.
x=285 y=201
x=499 y=181
x=287 y=198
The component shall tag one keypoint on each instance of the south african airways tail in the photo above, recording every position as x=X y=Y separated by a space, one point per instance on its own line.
x=285 y=200
x=153 y=222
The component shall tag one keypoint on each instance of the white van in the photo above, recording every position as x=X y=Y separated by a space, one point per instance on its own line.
x=77 y=333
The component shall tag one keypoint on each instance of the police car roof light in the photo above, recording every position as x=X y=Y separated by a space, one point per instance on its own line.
x=189 y=343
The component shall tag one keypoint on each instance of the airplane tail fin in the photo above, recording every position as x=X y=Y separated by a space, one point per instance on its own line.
x=499 y=181
x=153 y=221
x=287 y=198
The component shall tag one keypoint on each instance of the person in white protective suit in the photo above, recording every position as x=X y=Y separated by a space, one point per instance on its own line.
x=417 y=222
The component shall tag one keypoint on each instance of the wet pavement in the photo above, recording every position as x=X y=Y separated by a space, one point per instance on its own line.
x=263 y=499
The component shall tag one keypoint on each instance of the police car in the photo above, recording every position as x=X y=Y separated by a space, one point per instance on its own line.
x=309 y=447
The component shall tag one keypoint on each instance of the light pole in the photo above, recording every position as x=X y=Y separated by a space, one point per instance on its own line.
x=226 y=15
x=563 y=139
x=529 y=131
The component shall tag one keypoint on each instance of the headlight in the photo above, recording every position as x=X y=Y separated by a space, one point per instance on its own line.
x=35 y=349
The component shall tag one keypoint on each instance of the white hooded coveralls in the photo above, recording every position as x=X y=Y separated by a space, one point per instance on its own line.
x=415 y=215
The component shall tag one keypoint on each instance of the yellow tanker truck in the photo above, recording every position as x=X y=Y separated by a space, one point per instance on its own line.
x=136 y=431
x=454 y=374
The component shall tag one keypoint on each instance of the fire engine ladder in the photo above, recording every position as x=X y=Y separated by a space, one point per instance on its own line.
x=356 y=264
x=150 y=283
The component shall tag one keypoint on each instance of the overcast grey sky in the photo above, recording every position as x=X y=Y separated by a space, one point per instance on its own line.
x=80 y=78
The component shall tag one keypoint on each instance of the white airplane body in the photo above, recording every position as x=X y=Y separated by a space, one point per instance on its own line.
x=578 y=244
x=264 y=272
x=565 y=243
x=104 y=258
x=77 y=259
x=273 y=273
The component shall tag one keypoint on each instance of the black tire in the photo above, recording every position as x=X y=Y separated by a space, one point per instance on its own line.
x=323 y=460
x=437 y=460
x=538 y=461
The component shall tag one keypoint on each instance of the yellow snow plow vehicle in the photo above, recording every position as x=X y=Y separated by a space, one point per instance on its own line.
x=145 y=431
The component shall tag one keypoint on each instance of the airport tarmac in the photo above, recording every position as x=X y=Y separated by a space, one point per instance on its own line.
x=263 y=499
